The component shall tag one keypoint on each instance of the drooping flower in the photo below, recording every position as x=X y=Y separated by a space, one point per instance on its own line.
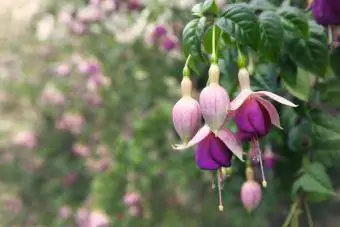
x=269 y=158
x=216 y=145
x=326 y=12
x=186 y=115
x=254 y=115
x=251 y=193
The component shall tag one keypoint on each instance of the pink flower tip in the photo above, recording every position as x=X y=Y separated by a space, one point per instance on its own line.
x=251 y=195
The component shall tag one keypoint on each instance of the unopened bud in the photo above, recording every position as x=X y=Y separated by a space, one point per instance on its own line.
x=251 y=195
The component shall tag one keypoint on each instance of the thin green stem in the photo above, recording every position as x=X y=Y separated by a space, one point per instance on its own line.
x=309 y=215
x=186 y=69
x=187 y=62
x=290 y=216
x=214 y=52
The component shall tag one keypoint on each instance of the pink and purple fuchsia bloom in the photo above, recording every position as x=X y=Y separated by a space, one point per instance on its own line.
x=216 y=145
x=254 y=116
x=326 y=12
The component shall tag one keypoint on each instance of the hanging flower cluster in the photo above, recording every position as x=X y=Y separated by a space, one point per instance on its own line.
x=254 y=117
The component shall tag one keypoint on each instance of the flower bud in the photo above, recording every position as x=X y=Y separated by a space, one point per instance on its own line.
x=251 y=195
x=186 y=113
x=269 y=158
x=214 y=101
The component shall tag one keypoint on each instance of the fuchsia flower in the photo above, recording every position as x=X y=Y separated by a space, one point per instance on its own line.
x=186 y=113
x=254 y=116
x=326 y=12
x=216 y=145
x=251 y=193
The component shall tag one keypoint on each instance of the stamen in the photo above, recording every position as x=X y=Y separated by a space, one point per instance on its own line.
x=259 y=157
x=220 y=203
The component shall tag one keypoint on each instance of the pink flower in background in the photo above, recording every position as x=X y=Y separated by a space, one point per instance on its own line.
x=93 y=99
x=63 y=69
x=51 y=95
x=71 y=122
x=91 y=66
x=81 y=150
x=89 y=14
x=134 y=211
x=26 y=139
x=13 y=205
x=108 y=5
x=77 y=27
x=134 y=5
x=64 y=212
x=131 y=198
x=69 y=179
x=97 y=81
x=169 y=43
x=87 y=218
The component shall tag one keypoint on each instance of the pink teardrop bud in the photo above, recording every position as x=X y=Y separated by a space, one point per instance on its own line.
x=251 y=195
x=186 y=114
x=214 y=101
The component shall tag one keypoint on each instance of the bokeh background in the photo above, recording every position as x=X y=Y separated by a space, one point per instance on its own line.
x=86 y=94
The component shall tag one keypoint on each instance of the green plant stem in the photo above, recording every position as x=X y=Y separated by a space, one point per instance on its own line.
x=214 y=52
x=290 y=216
x=186 y=69
x=309 y=215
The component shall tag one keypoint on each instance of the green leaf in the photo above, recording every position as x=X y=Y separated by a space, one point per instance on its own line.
x=297 y=84
x=325 y=124
x=318 y=171
x=207 y=40
x=294 y=21
x=209 y=6
x=240 y=22
x=310 y=185
x=197 y=9
x=261 y=5
x=334 y=61
x=330 y=92
x=312 y=53
x=271 y=34
x=191 y=43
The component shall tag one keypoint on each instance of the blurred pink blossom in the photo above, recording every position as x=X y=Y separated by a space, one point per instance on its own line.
x=69 y=179
x=97 y=81
x=64 y=212
x=134 y=211
x=91 y=66
x=71 y=122
x=81 y=150
x=77 y=27
x=108 y=5
x=89 y=13
x=93 y=99
x=51 y=95
x=26 y=139
x=169 y=43
x=87 y=218
x=63 y=69
x=13 y=205
x=131 y=198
